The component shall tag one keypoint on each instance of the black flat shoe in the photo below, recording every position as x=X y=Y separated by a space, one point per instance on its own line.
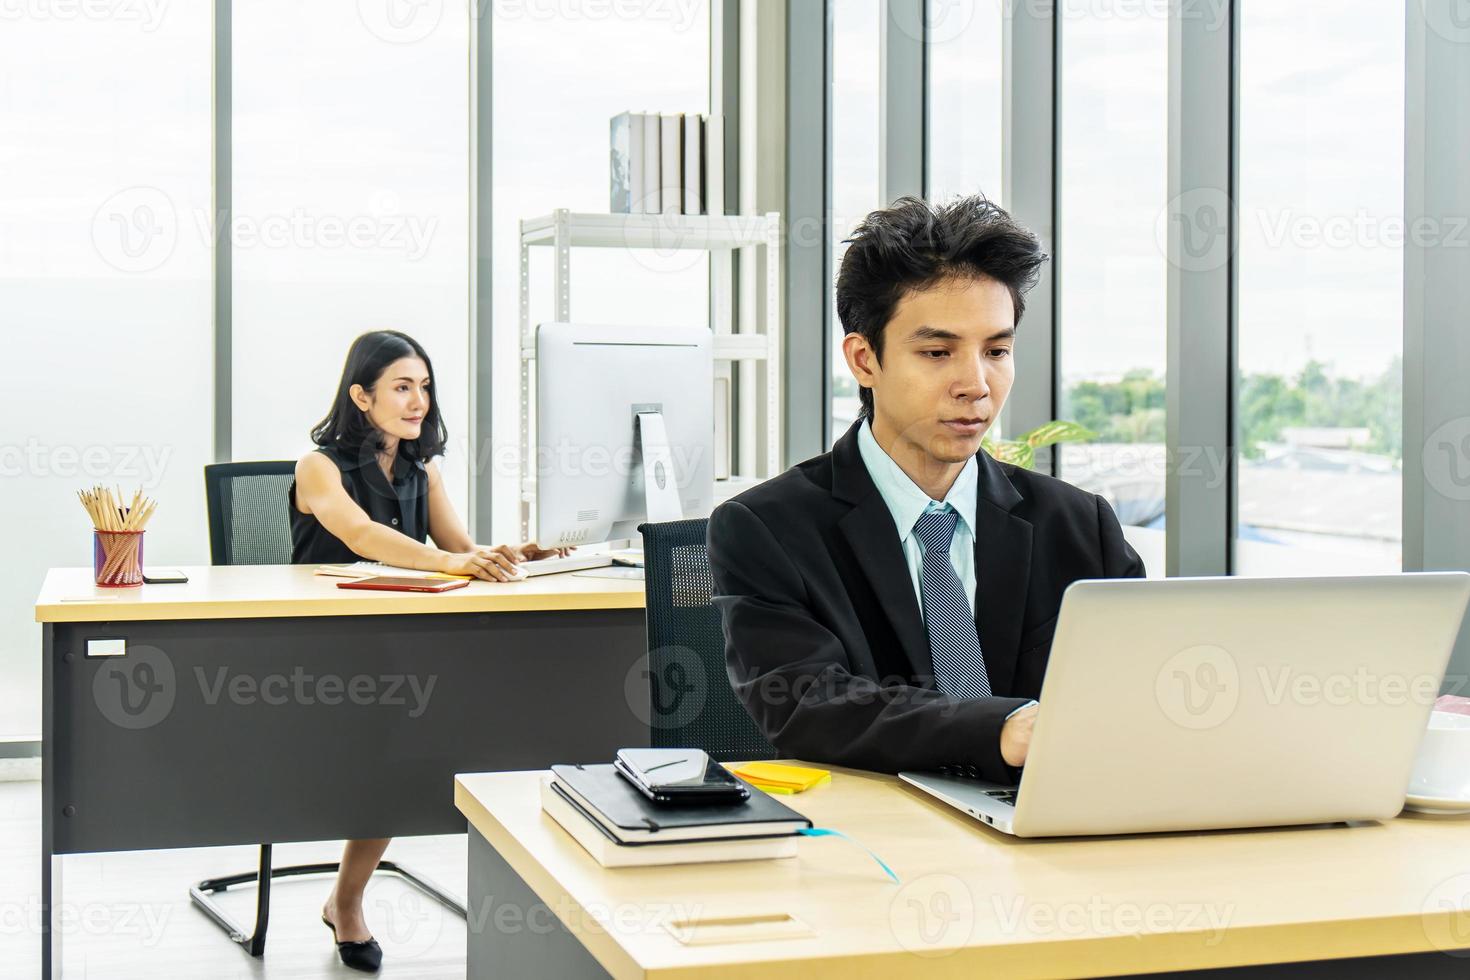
x=365 y=955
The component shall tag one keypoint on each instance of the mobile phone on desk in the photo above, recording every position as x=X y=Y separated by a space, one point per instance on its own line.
x=164 y=576
x=674 y=776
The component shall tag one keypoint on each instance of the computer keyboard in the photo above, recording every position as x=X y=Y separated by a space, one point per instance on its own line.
x=969 y=774
x=571 y=563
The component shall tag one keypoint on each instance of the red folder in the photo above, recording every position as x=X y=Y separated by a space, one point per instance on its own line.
x=390 y=583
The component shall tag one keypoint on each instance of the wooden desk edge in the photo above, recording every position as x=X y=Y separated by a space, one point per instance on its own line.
x=1149 y=952
x=123 y=610
x=603 y=947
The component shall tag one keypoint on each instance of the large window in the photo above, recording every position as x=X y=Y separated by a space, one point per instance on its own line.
x=856 y=34
x=963 y=130
x=352 y=170
x=561 y=73
x=965 y=104
x=105 y=296
x=1319 y=399
x=1111 y=264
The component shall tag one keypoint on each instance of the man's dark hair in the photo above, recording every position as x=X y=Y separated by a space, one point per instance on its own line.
x=913 y=245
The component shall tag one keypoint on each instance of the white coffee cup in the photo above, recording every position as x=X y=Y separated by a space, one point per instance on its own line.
x=1442 y=767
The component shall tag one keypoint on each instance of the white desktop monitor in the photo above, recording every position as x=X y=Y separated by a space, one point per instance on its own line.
x=612 y=402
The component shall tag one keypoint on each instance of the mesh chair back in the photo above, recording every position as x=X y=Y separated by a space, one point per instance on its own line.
x=249 y=514
x=693 y=705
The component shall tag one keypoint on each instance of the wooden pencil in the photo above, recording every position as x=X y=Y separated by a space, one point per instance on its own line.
x=119 y=530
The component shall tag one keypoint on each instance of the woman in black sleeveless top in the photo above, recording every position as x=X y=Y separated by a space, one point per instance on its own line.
x=372 y=491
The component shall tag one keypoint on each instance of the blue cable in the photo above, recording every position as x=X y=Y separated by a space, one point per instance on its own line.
x=823 y=832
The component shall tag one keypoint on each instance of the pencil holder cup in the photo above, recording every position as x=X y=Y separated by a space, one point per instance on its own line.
x=117 y=558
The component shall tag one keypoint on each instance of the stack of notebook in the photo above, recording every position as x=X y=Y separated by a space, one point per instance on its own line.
x=620 y=827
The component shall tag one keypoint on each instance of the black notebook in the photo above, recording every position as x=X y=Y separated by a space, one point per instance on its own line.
x=605 y=796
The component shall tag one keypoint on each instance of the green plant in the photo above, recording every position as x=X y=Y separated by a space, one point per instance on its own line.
x=1022 y=451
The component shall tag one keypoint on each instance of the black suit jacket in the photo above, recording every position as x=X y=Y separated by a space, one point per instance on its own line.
x=824 y=638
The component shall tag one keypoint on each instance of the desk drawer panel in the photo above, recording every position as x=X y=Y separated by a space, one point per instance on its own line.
x=264 y=730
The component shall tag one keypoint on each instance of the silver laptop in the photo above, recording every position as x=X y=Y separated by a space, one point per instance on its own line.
x=1205 y=703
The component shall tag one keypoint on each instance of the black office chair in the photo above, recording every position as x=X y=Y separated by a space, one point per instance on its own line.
x=693 y=705
x=250 y=524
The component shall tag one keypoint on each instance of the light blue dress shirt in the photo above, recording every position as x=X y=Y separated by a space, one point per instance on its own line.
x=908 y=503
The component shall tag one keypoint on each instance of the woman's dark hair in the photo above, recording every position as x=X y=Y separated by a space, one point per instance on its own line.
x=347 y=427
x=913 y=245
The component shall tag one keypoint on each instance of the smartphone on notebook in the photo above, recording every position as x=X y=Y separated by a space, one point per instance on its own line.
x=673 y=776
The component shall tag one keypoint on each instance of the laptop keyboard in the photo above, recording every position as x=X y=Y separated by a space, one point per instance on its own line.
x=1006 y=796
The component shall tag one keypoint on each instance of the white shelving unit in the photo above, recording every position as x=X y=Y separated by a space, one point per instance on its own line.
x=723 y=236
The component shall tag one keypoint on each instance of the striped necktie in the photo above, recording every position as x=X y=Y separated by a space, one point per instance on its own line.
x=954 y=645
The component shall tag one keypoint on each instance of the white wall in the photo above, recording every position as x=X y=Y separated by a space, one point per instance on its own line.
x=352 y=156
x=559 y=77
x=105 y=296
x=352 y=170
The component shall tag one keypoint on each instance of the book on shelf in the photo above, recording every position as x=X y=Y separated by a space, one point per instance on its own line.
x=625 y=164
x=666 y=163
x=647 y=201
x=671 y=159
x=714 y=164
x=693 y=175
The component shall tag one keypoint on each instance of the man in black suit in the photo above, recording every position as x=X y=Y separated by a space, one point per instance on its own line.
x=890 y=605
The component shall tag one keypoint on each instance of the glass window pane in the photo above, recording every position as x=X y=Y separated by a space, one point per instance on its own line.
x=560 y=76
x=106 y=301
x=1110 y=261
x=351 y=155
x=856 y=28
x=965 y=98
x=1319 y=400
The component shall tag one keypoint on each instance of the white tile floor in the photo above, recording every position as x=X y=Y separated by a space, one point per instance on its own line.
x=128 y=914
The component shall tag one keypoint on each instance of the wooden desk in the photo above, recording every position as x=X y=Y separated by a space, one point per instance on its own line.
x=972 y=902
x=70 y=595
x=260 y=704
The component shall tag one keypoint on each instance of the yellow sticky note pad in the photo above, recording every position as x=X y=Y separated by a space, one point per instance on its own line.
x=770 y=775
x=772 y=788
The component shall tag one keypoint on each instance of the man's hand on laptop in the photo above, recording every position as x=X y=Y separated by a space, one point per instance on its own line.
x=1015 y=735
